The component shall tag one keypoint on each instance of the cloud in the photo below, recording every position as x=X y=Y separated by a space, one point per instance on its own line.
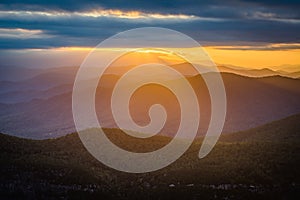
x=258 y=15
x=86 y=23
x=98 y=13
x=269 y=47
x=20 y=33
x=204 y=8
x=273 y=3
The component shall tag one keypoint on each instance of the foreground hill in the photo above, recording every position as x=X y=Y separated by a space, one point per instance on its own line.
x=261 y=163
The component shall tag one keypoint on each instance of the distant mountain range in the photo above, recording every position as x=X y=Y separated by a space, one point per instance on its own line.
x=36 y=81
x=40 y=106
x=265 y=72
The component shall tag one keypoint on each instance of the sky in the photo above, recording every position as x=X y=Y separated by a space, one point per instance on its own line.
x=244 y=33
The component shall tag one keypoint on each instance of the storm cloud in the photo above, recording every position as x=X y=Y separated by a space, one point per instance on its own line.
x=50 y=24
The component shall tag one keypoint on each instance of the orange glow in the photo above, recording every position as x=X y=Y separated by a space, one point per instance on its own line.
x=115 y=13
x=221 y=55
x=255 y=59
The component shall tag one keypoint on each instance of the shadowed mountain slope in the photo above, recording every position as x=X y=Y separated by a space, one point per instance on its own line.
x=260 y=163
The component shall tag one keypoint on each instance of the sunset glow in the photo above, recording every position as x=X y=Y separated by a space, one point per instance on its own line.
x=255 y=59
x=98 y=13
x=141 y=99
x=222 y=55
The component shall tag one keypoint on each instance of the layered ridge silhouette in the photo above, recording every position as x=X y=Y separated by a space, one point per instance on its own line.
x=40 y=106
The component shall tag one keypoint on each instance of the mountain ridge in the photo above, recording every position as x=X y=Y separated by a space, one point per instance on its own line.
x=250 y=103
x=239 y=169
